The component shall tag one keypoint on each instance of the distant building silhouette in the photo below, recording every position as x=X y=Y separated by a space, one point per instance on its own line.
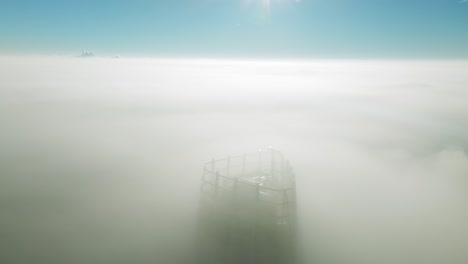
x=86 y=54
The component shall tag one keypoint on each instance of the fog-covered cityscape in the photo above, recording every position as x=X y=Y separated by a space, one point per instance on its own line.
x=234 y=131
x=102 y=164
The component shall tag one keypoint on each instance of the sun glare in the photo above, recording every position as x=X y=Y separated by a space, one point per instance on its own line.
x=267 y=4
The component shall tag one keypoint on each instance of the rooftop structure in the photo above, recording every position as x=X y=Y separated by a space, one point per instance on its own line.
x=248 y=210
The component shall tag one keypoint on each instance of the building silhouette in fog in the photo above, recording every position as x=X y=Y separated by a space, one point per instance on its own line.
x=248 y=210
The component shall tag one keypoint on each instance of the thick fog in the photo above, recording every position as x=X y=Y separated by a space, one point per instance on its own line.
x=101 y=159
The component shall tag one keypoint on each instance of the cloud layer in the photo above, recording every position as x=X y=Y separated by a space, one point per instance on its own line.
x=101 y=159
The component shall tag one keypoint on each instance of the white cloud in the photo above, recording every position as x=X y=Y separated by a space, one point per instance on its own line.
x=379 y=148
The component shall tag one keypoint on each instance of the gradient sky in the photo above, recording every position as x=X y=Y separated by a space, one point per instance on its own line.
x=238 y=28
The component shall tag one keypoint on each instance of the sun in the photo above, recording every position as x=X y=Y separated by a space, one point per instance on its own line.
x=266 y=4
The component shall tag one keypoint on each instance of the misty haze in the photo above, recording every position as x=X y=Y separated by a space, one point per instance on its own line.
x=101 y=159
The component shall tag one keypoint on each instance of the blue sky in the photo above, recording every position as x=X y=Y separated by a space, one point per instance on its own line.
x=238 y=28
